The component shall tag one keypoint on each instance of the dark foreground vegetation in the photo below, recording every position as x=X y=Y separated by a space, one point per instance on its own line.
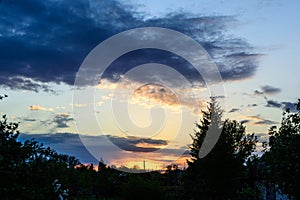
x=232 y=170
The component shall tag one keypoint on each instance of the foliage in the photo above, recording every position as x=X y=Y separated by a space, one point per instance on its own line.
x=172 y=175
x=138 y=187
x=211 y=119
x=29 y=169
x=221 y=173
x=281 y=161
x=230 y=171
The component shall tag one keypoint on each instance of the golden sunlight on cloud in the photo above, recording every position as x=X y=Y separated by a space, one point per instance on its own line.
x=255 y=117
x=105 y=84
x=63 y=115
x=147 y=145
x=151 y=94
x=38 y=107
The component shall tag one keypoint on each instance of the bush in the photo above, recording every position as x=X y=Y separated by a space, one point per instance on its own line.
x=141 y=188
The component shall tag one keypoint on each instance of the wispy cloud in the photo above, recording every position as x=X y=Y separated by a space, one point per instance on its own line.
x=252 y=105
x=265 y=122
x=79 y=105
x=254 y=117
x=61 y=120
x=26 y=119
x=270 y=90
x=258 y=120
x=257 y=92
x=38 y=107
x=232 y=110
x=245 y=121
x=267 y=90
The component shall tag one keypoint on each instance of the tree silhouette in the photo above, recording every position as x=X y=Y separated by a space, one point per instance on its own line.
x=138 y=187
x=281 y=163
x=28 y=169
x=220 y=174
x=172 y=175
x=212 y=119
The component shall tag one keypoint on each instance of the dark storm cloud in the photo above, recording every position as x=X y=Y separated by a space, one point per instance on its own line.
x=46 y=41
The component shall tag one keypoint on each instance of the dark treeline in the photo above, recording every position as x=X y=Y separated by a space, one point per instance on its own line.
x=232 y=170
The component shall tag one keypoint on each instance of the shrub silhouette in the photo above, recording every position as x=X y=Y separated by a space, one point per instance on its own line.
x=140 y=188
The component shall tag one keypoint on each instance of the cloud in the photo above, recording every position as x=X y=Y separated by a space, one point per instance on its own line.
x=79 y=105
x=65 y=143
x=233 y=110
x=283 y=105
x=26 y=119
x=252 y=105
x=25 y=83
x=274 y=104
x=149 y=95
x=267 y=90
x=290 y=106
x=257 y=92
x=270 y=90
x=137 y=144
x=71 y=144
x=258 y=120
x=265 y=122
x=245 y=121
x=254 y=117
x=41 y=48
x=38 y=107
x=155 y=94
x=29 y=119
x=61 y=120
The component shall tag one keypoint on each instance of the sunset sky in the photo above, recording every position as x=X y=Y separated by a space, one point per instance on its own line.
x=43 y=45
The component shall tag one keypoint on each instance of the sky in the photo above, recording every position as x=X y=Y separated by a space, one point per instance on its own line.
x=143 y=105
